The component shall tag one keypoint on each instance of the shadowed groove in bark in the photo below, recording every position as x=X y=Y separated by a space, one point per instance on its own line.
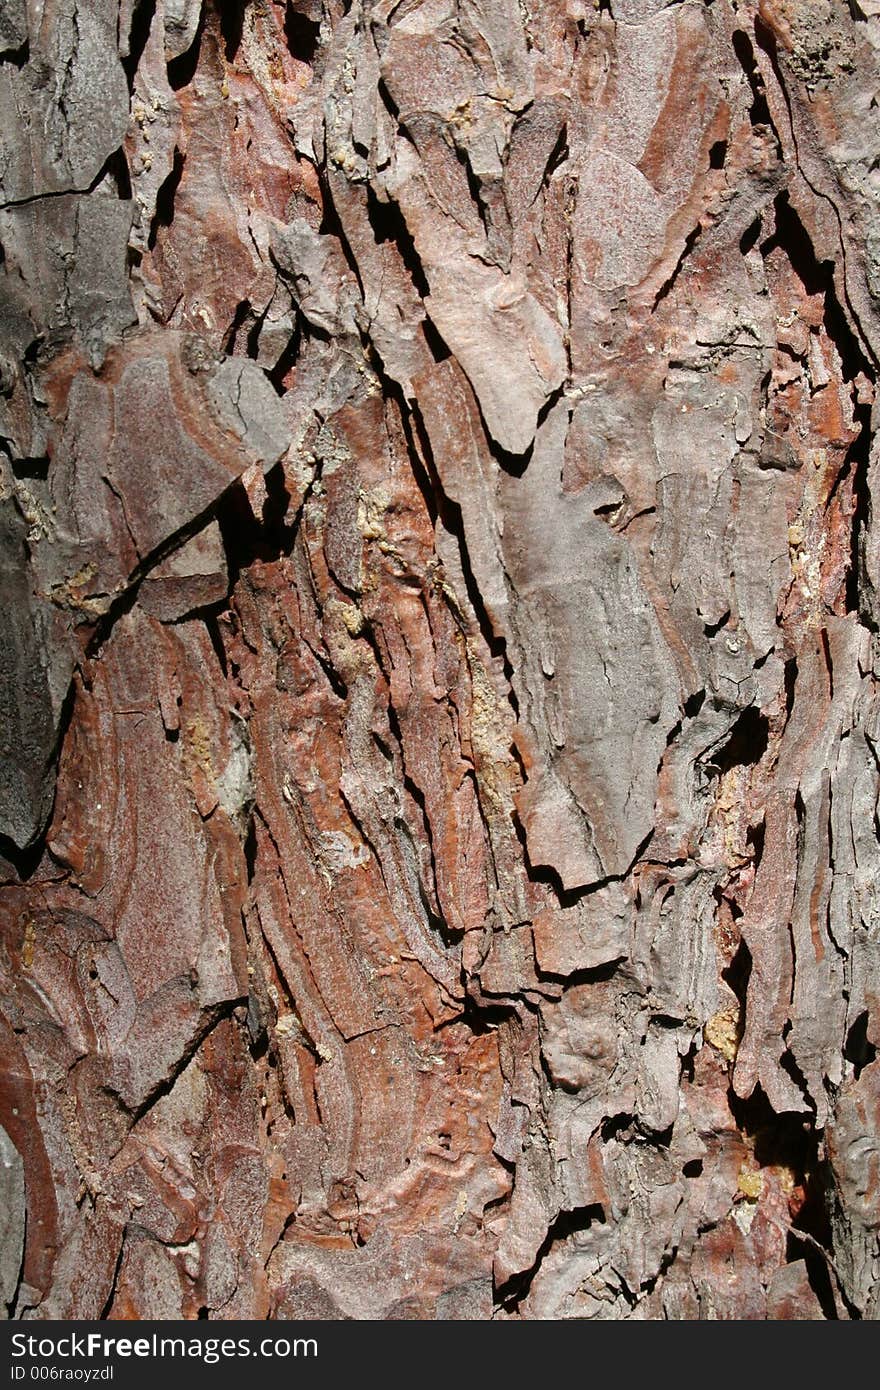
x=302 y=34
x=182 y=69
x=143 y=15
x=232 y=14
x=690 y=242
x=164 y=213
x=567 y=1224
x=759 y=112
x=818 y=278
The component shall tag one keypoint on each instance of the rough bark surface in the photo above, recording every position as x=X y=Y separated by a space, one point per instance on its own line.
x=438 y=708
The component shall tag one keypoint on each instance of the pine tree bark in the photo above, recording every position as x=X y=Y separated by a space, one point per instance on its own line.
x=438 y=662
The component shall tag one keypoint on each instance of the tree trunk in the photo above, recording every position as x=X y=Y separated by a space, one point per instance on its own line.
x=437 y=684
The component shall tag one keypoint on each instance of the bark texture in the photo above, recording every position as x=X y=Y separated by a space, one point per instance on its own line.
x=438 y=714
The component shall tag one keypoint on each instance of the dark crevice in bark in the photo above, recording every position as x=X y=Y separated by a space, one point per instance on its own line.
x=688 y=1064
x=258 y=1043
x=246 y=538
x=792 y=1143
x=331 y=225
x=25 y=468
x=665 y=289
x=211 y=1017
x=17 y=57
x=788 y=1140
x=110 y=168
x=718 y=154
x=766 y=40
x=618 y=1126
x=206 y=613
x=658 y=1139
x=182 y=70
x=435 y=500
x=515 y=1290
x=738 y=973
x=587 y=976
x=389 y=103
x=166 y=194
x=302 y=34
x=755 y=841
x=440 y=504
x=12 y=1305
x=514 y=465
x=558 y=156
x=858 y=1050
x=25 y=862
x=788 y=1061
x=719 y=893
x=800 y=1244
x=142 y=17
x=124 y=601
x=474 y=189
x=759 y=113
x=751 y=236
x=388 y=224
x=432 y=910
x=829 y=664
x=252 y=337
x=287 y=360
x=108 y=1302
x=666 y=1263
x=790 y=673
x=817 y=277
x=711 y=630
x=250 y=848
x=552 y=400
x=693 y=704
x=857 y=464
x=117 y=169
x=242 y=312
x=480 y=1017
x=438 y=349
x=549 y=876
x=746 y=744
x=498 y=1206
x=231 y=14
x=334 y=680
